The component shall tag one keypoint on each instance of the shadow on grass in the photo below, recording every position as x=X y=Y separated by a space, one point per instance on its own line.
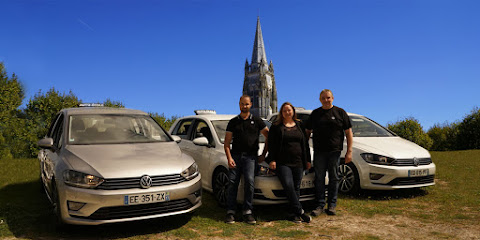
x=388 y=195
x=27 y=213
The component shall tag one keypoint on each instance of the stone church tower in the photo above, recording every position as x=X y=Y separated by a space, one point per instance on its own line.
x=259 y=81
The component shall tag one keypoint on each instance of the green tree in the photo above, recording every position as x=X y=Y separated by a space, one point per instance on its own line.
x=468 y=136
x=11 y=97
x=165 y=122
x=114 y=104
x=410 y=129
x=42 y=108
x=443 y=136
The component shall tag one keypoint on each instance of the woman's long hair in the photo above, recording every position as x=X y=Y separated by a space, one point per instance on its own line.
x=280 y=115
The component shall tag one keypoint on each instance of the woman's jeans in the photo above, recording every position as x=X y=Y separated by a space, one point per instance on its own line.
x=291 y=179
x=323 y=162
x=246 y=167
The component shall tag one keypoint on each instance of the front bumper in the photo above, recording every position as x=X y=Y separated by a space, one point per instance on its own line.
x=379 y=177
x=108 y=206
x=269 y=190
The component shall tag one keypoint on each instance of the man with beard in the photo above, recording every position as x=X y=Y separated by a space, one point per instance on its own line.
x=243 y=131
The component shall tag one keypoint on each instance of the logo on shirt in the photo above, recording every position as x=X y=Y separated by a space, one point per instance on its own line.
x=333 y=118
x=251 y=122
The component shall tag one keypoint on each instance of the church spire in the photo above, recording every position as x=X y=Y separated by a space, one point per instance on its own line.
x=258 y=56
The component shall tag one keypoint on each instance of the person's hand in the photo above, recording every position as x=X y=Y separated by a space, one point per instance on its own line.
x=348 y=157
x=231 y=163
x=309 y=165
x=261 y=158
x=273 y=165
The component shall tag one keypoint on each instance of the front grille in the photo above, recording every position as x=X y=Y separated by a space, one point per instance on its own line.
x=303 y=192
x=410 y=162
x=412 y=181
x=127 y=183
x=109 y=213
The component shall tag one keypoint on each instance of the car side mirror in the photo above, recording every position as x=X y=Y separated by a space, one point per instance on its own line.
x=45 y=143
x=201 y=141
x=176 y=138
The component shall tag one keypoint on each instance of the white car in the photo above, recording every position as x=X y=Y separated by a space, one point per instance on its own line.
x=381 y=160
x=106 y=165
x=202 y=138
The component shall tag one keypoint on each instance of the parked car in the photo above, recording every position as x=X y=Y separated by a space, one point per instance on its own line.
x=203 y=137
x=381 y=160
x=104 y=165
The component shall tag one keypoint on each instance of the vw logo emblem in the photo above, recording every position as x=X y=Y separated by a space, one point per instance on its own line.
x=146 y=181
x=416 y=162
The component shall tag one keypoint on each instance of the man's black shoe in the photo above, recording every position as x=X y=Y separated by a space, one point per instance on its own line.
x=248 y=218
x=331 y=211
x=295 y=219
x=318 y=211
x=230 y=218
x=306 y=218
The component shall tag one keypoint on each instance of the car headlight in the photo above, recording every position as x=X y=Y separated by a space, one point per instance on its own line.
x=82 y=180
x=190 y=172
x=376 y=159
x=266 y=172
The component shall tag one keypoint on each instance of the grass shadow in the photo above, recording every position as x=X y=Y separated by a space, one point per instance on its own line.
x=27 y=213
x=381 y=195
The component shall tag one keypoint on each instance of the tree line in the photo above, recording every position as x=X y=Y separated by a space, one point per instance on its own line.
x=20 y=129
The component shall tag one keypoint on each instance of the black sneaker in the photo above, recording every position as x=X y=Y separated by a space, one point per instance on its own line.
x=295 y=219
x=318 y=211
x=248 y=218
x=305 y=217
x=331 y=211
x=230 y=218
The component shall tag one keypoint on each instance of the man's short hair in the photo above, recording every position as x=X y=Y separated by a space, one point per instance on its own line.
x=245 y=96
x=325 y=91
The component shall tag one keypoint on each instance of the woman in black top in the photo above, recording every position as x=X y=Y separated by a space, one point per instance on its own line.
x=289 y=155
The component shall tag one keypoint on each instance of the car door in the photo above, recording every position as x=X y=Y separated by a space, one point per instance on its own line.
x=201 y=154
x=50 y=156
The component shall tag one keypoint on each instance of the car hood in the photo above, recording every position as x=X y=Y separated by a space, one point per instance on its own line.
x=128 y=160
x=394 y=147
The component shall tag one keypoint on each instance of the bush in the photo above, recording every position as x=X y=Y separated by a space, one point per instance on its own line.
x=410 y=129
x=444 y=136
x=468 y=135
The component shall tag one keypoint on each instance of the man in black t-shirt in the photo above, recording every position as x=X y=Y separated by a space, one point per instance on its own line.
x=244 y=130
x=329 y=124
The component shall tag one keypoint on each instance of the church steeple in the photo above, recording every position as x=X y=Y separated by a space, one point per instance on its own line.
x=259 y=81
x=259 y=57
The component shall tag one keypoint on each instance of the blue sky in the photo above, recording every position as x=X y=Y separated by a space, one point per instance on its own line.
x=386 y=59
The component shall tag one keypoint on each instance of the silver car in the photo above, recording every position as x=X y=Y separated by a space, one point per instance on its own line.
x=104 y=165
x=202 y=138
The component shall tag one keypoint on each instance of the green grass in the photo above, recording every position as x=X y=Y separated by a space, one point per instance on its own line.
x=455 y=199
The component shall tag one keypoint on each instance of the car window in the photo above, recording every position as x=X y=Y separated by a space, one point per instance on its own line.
x=182 y=128
x=114 y=129
x=202 y=130
x=364 y=127
x=221 y=127
x=58 y=132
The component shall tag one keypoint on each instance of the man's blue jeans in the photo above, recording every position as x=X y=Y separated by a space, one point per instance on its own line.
x=246 y=167
x=323 y=162
x=291 y=179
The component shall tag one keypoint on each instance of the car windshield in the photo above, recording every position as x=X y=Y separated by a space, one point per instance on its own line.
x=364 y=127
x=114 y=129
x=361 y=126
x=221 y=127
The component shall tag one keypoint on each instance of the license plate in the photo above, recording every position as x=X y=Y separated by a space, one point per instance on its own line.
x=306 y=184
x=418 y=173
x=147 y=198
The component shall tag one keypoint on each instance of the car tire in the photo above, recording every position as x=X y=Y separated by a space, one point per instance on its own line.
x=349 y=179
x=220 y=185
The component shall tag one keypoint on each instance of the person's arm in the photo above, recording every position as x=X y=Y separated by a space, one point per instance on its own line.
x=349 y=135
x=264 y=132
x=226 y=147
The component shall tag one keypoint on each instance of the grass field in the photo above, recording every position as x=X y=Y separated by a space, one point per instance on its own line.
x=448 y=210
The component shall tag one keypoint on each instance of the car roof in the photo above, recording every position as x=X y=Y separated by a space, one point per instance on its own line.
x=211 y=117
x=304 y=111
x=101 y=110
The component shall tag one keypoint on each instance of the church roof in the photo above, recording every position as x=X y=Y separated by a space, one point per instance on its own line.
x=258 y=47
